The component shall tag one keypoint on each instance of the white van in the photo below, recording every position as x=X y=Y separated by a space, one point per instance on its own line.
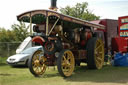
x=24 y=45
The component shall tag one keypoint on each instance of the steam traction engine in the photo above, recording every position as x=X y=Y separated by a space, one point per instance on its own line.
x=67 y=41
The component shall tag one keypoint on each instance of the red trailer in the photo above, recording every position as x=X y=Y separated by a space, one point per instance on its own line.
x=110 y=31
x=115 y=34
x=120 y=43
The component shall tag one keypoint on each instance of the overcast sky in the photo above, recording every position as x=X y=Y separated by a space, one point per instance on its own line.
x=110 y=9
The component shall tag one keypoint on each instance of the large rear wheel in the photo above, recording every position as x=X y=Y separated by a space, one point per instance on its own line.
x=65 y=63
x=95 y=53
x=37 y=63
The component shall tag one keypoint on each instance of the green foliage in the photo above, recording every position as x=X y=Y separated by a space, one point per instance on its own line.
x=3 y=60
x=6 y=35
x=20 y=31
x=81 y=11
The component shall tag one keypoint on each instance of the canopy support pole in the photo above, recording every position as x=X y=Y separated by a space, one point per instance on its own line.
x=47 y=26
x=53 y=26
x=30 y=25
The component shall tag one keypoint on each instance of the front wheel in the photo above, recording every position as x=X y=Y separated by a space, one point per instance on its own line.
x=37 y=63
x=65 y=63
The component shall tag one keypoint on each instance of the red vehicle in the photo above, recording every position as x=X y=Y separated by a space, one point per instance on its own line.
x=110 y=31
x=115 y=34
x=120 y=43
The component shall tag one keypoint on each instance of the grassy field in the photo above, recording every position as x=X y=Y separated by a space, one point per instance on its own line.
x=82 y=76
x=3 y=60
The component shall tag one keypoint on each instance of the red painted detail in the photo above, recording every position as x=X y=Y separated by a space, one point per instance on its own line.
x=47 y=44
x=38 y=39
x=50 y=60
x=102 y=22
x=120 y=44
x=83 y=42
x=87 y=35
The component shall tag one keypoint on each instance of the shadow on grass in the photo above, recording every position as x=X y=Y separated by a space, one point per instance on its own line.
x=106 y=74
x=2 y=74
x=51 y=75
x=19 y=66
x=3 y=64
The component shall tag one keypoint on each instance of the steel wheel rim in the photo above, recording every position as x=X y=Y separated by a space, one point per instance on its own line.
x=99 y=54
x=67 y=63
x=38 y=63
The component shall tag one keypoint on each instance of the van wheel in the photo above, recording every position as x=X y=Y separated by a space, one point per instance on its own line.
x=26 y=64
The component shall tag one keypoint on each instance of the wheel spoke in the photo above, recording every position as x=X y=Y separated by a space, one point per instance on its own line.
x=64 y=64
x=98 y=58
x=36 y=69
x=98 y=47
x=64 y=58
x=98 y=64
x=34 y=65
x=69 y=58
x=99 y=54
x=35 y=58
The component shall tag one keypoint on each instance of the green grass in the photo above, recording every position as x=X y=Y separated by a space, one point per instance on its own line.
x=82 y=76
x=3 y=60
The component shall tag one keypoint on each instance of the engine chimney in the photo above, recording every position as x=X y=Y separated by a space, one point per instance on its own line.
x=53 y=5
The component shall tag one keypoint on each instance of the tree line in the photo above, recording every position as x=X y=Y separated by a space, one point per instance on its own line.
x=17 y=33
